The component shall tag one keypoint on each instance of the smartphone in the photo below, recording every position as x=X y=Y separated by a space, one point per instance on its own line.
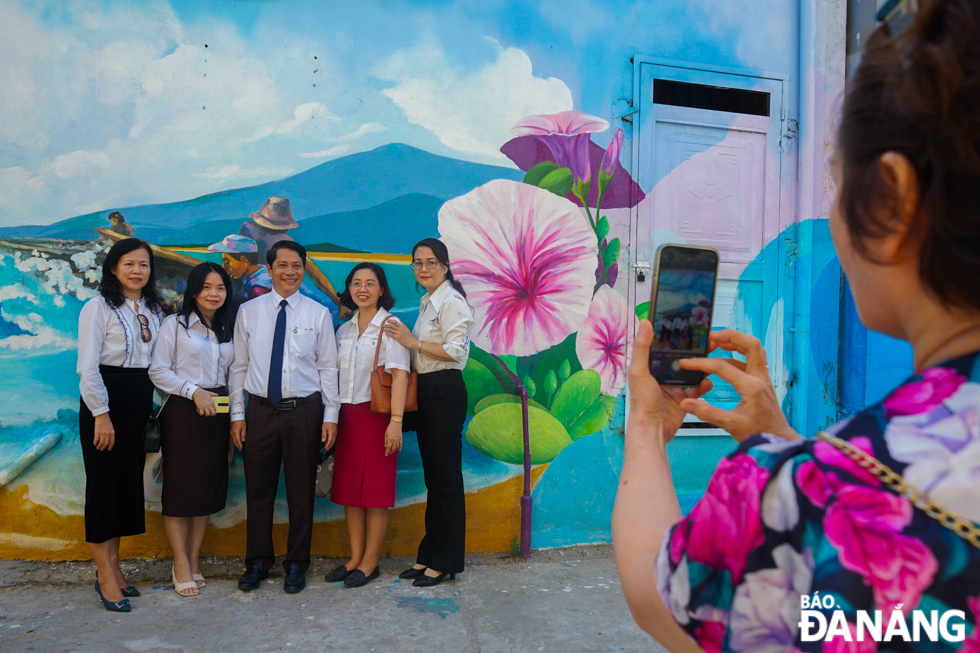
x=681 y=306
x=220 y=404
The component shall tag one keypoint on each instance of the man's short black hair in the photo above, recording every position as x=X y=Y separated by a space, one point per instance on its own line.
x=270 y=256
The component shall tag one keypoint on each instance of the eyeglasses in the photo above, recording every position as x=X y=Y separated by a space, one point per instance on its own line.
x=357 y=284
x=145 y=334
x=431 y=264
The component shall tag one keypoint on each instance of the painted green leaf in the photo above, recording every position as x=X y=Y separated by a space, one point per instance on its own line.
x=576 y=396
x=558 y=182
x=495 y=367
x=551 y=359
x=493 y=400
x=498 y=432
x=602 y=228
x=531 y=388
x=551 y=383
x=643 y=310
x=610 y=254
x=564 y=371
x=480 y=383
x=593 y=419
x=539 y=172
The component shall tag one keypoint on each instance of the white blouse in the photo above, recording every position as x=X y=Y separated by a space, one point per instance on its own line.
x=111 y=336
x=444 y=319
x=202 y=362
x=356 y=357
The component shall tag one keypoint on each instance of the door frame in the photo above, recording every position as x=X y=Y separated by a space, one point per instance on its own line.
x=787 y=214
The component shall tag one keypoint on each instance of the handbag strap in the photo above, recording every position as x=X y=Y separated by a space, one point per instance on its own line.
x=173 y=363
x=381 y=335
x=894 y=482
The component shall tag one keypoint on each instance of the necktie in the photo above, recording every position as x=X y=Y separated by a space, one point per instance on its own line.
x=275 y=364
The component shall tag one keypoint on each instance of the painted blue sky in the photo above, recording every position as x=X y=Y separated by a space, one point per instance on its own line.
x=111 y=104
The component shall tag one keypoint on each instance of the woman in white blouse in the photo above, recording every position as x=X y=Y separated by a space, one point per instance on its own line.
x=190 y=365
x=366 y=453
x=116 y=334
x=441 y=345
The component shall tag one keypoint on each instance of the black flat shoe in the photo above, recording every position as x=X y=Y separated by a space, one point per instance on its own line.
x=357 y=577
x=338 y=574
x=252 y=577
x=295 y=579
x=429 y=581
x=411 y=573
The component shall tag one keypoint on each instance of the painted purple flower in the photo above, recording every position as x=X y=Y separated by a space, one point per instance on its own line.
x=700 y=315
x=525 y=256
x=601 y=344
x=610 y=160
x=567 y=135
x=933 y=386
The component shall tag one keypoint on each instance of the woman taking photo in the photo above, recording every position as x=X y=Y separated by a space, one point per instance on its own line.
x=785 y=517
x=190 y=364
x=441 y=345
x=366 y=453
x=116 y=334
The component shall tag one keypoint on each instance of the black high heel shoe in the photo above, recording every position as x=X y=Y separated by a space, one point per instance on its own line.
x=118 y=606
x=411 y=573
x=429 y=581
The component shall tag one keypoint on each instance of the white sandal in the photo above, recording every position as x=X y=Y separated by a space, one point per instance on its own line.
x=199 y=577
x=180 y=587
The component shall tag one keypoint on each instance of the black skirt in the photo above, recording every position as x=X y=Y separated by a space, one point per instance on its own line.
x=195 y=458
x=114 y=477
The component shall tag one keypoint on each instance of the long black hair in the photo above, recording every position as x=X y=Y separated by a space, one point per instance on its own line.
x=111 y=289
x=223 y=322
x=442 y=254
x=385 y=301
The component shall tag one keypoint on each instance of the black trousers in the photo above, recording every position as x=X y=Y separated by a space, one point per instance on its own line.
x=289 y=439
x=439 y=423
x=114 y=477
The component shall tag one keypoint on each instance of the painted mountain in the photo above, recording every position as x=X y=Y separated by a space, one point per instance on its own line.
x=383 y=200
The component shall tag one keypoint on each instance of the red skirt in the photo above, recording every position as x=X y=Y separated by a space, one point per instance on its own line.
x=363 y=477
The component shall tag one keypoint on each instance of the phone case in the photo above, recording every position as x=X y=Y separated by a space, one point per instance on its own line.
x=653 y=301
x=221 y=404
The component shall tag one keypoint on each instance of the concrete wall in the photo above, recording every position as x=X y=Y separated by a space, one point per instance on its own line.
x=384 y=123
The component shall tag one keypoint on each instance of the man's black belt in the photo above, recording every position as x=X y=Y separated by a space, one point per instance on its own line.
x=289 y=404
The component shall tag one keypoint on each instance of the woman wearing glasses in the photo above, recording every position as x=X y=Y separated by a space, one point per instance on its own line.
x=441 y=345
x=190 y=364
x=366 y=455
x=116 y=334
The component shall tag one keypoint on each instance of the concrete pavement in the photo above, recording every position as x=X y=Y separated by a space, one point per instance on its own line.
x=562 y=600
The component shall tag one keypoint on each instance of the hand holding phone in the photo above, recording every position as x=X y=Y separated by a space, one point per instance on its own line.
x=681 y=305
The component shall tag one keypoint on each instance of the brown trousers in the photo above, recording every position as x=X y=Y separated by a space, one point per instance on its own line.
x=290 y=439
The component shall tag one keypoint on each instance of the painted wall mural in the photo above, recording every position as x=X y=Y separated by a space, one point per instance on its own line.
x=496 y=127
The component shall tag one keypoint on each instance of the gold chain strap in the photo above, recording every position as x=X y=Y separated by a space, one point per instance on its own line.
x=962 y=527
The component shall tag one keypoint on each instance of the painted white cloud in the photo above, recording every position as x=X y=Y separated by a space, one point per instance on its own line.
x=333 y=151
x=363 y=130
x=301 y=115
x=235 y=171
x=470 y=112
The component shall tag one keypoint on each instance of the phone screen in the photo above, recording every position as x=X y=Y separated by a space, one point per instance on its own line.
x=680 y=309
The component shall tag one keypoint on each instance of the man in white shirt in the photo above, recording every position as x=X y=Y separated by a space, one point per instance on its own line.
x=286 y=359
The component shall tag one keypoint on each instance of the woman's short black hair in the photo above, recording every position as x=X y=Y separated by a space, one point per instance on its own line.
x=111 y=289
x=223 y=323
x=385 y=301
x=270 y=256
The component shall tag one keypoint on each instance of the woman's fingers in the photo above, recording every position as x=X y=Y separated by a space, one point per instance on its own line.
x=749 y=346
x=720 y=367
x=708 y=413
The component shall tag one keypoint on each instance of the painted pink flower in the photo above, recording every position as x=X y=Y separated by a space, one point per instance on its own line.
x=972 y=642
x=922 y=396
x=865 y=525
x=700 y=314
x=601 y=344
x=567 y=135
x=724 y=526
x=525 y=257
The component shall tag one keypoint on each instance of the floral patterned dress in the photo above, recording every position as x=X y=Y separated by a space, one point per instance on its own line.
x=780 y=520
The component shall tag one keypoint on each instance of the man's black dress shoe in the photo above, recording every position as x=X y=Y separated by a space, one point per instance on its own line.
x=411 y=573
x=252 y=577
x=357 y=577
x=337 y=575
x=295 y=579
x=429 y=581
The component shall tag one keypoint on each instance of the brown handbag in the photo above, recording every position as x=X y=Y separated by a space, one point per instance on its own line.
x=381 y=383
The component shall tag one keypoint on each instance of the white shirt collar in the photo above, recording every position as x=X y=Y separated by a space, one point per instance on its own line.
x=293 y=300
x=376 y=321
x=439 y=295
